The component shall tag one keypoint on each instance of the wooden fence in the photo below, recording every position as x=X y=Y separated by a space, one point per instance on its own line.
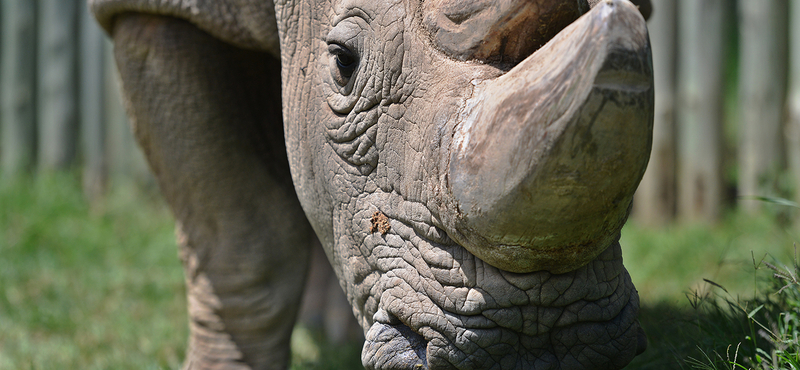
x=727 y=121
x=727 y=117
x=59 y=100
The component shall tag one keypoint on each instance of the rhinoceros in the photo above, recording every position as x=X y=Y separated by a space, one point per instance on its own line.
x=467 y=166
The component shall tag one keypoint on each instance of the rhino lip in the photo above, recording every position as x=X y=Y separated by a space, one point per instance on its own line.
x=393 y=345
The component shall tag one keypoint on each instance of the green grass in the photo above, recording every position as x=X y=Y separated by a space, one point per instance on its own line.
x=85 y=288
x=667 y=263
x=758 y=333
x=701 y=285
x=723 y=331
x=101 y=287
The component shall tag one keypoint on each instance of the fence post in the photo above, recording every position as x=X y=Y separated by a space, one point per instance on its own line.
x=92 y=115
x=700 y=54
x=793 y=123
x=762 y=86
x=58 y=90
x=654 y=203
x=18 y=81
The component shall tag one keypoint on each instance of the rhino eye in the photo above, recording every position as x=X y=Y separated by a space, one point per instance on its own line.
x=345 y=63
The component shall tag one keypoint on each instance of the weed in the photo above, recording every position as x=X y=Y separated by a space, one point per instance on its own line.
x=764 y=330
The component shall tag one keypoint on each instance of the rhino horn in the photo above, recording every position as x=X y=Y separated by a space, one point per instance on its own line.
x=545 y=158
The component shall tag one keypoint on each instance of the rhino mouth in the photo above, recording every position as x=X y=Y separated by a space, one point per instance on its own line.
x=426 y=302
x=394 y=346
x=582 y=319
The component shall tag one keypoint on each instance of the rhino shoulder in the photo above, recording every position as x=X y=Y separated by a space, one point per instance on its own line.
x=248 y=24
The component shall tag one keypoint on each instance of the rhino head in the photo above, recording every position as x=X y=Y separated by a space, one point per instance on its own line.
x=468 y=169
x=467 y=166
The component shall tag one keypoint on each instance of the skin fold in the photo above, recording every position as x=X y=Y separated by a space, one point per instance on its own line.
x=467 y=184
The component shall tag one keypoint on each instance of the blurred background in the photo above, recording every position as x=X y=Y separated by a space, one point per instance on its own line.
x=89 y=276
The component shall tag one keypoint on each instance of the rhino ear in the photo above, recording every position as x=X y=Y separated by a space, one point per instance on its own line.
x=249 y=24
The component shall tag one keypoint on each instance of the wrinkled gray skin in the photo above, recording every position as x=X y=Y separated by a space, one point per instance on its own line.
x=469 y=196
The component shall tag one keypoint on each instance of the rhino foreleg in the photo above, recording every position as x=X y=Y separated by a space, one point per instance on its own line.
x=208 y=117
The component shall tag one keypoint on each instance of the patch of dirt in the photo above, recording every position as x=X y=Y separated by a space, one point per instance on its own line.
x=380 y=223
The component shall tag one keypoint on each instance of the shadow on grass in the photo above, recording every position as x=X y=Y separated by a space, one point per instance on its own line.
x=312 y=351
x=671 y=335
